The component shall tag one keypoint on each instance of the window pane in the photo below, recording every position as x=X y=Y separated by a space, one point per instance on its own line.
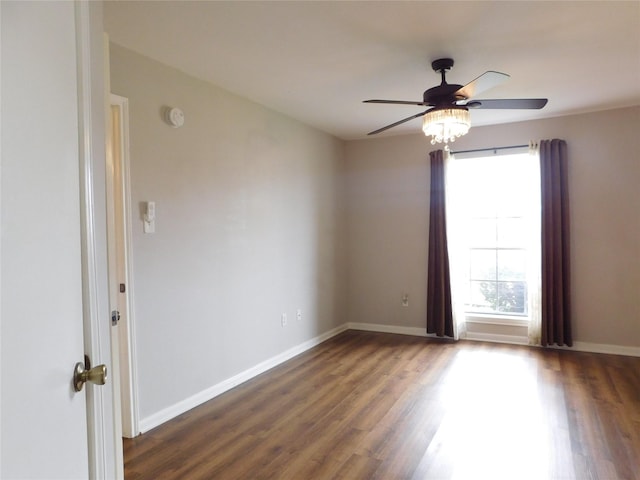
x=512 y=201
x=483 y=297
x=512 y=232
x=491 y=197
x=513 y=187
x=511 y=265
x=483 y=264
x=512 y=297
x=482 y=232
x=482 y=201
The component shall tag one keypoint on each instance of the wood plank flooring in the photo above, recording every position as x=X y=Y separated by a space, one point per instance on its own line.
x=379 y=406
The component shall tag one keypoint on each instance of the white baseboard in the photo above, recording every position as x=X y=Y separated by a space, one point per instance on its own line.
x=588 y=347
x=603 y=348
x=375 y=327
x=422 y=332
x=187 y=404
x=488 y=337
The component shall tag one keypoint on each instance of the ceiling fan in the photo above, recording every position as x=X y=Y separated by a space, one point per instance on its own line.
x=448 y=115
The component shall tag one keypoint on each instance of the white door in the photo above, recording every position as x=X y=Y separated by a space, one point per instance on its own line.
x=43 y=421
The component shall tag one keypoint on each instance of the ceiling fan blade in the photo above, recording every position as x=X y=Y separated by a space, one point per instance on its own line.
x=397 y=123
x=509 y=103
x=394 y=102
x=484 y=82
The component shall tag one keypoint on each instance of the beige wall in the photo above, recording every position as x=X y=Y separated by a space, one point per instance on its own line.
x=258 y=215
x=387 y=217
x=248 y=227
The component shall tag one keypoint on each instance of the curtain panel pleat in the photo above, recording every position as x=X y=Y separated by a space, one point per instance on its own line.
x=556 y=281
x=439 y=305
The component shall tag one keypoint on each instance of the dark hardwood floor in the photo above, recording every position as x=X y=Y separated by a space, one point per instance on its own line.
x=379 y=406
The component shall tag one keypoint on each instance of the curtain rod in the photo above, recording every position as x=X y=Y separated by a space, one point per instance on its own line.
x=490 y=149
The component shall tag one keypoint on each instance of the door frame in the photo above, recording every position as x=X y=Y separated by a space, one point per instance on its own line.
x=104 y=447
x=119 y=184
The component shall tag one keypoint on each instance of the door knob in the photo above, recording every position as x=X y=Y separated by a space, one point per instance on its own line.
x=96 y=375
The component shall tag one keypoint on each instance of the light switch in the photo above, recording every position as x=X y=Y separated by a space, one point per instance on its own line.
x=150 y=218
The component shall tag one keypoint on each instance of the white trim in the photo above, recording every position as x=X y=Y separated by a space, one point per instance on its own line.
x=399 y=330
x=589 y=347
x=1 y=250
x=1 y=396
x=128 y=363
x=95 y=404
x=187 y=404
x=422 y=332
x=602 y=348
x=497 y=320
x=101 y=442
x=497 y=338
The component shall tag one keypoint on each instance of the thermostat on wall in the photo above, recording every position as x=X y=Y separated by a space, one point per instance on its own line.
x=174 y=117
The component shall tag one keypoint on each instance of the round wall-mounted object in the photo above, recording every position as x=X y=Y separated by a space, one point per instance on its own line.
x=174 y=117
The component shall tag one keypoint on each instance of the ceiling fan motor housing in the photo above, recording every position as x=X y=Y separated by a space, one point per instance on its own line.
x=444 y=94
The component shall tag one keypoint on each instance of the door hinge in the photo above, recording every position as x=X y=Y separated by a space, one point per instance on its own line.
x=115 y=318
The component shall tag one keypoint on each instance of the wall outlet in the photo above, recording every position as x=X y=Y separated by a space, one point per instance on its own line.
x=284 y=319
x=299 y=315
x=405 y=300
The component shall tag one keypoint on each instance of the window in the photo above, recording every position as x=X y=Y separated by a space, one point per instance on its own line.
x=494 y=215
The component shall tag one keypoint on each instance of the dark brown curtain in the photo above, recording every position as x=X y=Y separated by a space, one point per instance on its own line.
x=439 y=308
x=556 y=281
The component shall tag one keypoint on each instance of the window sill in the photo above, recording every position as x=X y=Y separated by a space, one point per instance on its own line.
x=496 y=319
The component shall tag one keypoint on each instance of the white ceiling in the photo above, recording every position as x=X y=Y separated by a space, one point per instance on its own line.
x=317 y=60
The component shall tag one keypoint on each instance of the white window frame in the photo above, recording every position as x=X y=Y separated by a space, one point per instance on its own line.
x=505 y=319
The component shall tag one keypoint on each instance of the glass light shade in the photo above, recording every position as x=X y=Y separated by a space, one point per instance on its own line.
x=446 y=124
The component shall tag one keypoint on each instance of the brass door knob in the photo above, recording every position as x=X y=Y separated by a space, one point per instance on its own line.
x=96 y=375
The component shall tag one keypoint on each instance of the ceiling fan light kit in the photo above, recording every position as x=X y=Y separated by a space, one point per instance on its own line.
x=447 y=124
x=449 y=116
